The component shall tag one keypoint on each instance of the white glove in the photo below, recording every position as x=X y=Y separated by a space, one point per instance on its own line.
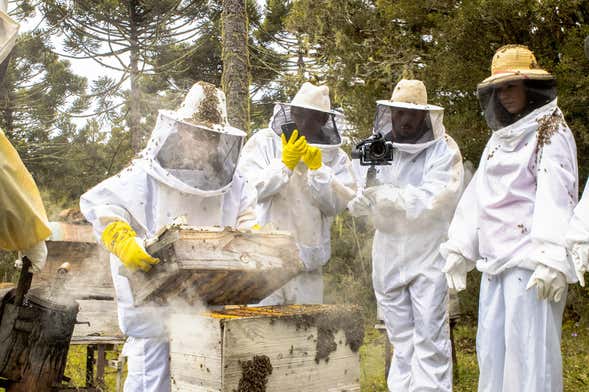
x=580 y=256
x=550 y=283
x=456 y=268
x=359 y=206
x=38 y=256
x=385 y=198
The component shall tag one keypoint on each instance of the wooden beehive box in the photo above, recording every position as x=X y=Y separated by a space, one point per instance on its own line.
x=292 y=348
x=89 y=280
x=218 y=266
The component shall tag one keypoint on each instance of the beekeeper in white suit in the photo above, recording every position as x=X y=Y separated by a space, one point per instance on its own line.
x=577 y=237
x=511 y=222
x=411 y=210
x=301 y=183
x=188 y=170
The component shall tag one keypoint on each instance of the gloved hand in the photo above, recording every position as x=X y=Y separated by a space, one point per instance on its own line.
x=550 y=283
x=359 y=206
x=121 y=240
x=456 y=268
x=385 y=198
x=293 y=150
x=37 y=254
x=312 y=158
x=580 y=256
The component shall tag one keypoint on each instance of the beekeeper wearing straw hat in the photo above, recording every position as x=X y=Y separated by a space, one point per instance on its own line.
x=511 y=222
x=23 y=221
x=411 y=209
x=188 y=169
x=302 y=181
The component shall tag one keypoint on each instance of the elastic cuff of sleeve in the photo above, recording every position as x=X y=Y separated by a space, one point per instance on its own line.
x=448 y=247
x=555 y=257
x=277 y=166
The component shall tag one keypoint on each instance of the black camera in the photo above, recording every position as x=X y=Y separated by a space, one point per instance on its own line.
x=374 y=151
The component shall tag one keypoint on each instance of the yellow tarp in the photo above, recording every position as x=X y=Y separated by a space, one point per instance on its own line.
x=23 y=221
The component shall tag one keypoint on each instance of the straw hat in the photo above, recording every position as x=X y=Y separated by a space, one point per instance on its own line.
x=313 y=97
x=512 y=62
x=409 y=94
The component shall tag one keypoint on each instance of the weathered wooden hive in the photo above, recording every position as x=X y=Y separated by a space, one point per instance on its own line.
x=218 y=266
x=89 y=281
x=283 y=348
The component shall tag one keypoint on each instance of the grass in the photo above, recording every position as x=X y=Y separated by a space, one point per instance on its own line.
x=575 y=352
x=76 y=368
x=575 y=349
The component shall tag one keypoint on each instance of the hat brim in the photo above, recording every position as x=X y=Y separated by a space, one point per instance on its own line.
x=310 y=108
x=406 y=105
x=535 y=74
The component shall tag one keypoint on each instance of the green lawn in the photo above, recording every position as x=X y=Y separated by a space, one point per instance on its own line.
x=575 y=348
x=372 y=356
x=76 y=368
x=575 y=354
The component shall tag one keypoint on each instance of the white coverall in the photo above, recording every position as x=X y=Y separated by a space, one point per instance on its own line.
x=577 y=237
x=513 y=216
x=421 y=189
x=143 y=196
x=301 y=201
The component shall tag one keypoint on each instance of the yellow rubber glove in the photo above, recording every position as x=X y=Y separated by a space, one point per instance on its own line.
x=293 y=150
x=120 y=239
x=312 y=158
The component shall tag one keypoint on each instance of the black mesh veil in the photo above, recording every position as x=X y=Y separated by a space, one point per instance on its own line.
x=200 y=157
x=403 y=125
x=317 y=126
x=537 y=93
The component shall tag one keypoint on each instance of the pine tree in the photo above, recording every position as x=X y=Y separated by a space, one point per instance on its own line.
x=236 y=67
x=132 y=33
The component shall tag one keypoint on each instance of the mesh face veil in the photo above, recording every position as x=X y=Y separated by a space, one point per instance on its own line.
x=317 y=126
x=505 y=103
x=200 y=157
x=404 y=125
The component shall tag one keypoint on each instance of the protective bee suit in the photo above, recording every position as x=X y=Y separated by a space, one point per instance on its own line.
x=577 y=237
x=302 y=199
x=510 y=223
x=187 y=169
x=23 y=221
x=411 y=211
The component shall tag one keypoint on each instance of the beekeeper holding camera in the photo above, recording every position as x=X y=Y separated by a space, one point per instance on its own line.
x=411 y=209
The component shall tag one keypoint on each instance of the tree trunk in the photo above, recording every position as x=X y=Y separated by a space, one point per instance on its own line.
x=134 y=95
x=236 y=67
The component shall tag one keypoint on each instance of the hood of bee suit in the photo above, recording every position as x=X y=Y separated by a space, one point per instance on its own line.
x=194 y=149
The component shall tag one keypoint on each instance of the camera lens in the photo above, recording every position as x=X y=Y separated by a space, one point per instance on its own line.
x=378 y=150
